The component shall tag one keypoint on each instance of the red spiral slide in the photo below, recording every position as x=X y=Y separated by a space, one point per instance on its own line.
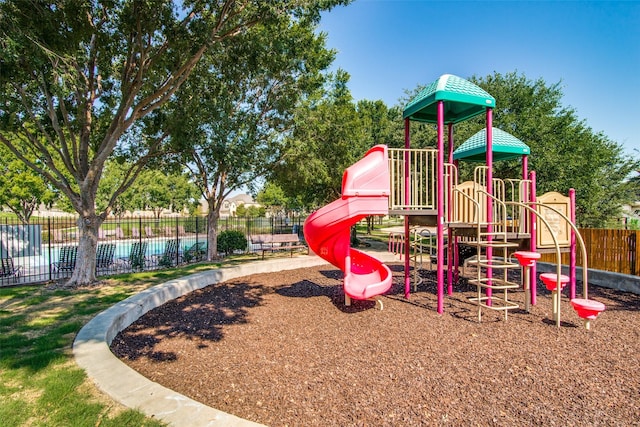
x=365 y=191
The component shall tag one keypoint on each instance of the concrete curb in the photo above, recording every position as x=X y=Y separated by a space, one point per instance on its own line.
x=123 y=384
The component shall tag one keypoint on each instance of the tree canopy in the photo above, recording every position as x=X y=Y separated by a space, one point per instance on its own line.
x=229 y=121
x=22 y=190
x=76 y=78
x=565 y=152
x=327 y=138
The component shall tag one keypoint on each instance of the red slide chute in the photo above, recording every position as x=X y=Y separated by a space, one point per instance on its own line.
x=365 y=191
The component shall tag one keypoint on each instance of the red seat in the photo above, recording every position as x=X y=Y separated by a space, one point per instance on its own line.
x=550 y=280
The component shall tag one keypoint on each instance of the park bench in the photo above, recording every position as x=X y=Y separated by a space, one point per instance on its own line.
x=277 y=242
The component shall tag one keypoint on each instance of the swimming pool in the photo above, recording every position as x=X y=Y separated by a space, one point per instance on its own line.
x=155 y=247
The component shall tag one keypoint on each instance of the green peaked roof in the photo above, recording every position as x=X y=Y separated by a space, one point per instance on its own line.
x=462 y=100
x=505 y=146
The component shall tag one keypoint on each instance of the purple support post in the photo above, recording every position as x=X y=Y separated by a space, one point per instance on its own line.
x=489 y=156
x=457 y=247
x=450 y=142
x=525 y=175
x=451 y=244
x=572 y=253
x=532 y=241
x=440 y=222
x=407 y=183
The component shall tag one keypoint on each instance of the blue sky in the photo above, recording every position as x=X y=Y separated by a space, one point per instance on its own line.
x=592 y=48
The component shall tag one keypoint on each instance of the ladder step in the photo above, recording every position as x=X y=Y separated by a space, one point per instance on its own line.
x=495 y=263
x=497 y=244
x=496 y=283
x=497 y=303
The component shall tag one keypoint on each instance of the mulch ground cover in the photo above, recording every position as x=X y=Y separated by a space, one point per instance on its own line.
x=282 y=349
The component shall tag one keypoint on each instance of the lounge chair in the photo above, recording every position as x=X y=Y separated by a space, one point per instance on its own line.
x=148 y=231
x=135 y=233
x=197 y=251
x=181 y=231
x=169 y=231
x=66 y=259
x=104 y=255
x=8 y=269
x=101 y=234
x=137 y=256
x=170 y=257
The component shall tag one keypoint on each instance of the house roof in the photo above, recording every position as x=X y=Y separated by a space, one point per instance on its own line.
x=242 y=198
x=462 y=100
x=505 y=146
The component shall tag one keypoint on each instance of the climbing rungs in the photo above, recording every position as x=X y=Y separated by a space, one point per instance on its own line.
x=495 y=263
x=496 y=283
x=497 y=244
x=497 y=303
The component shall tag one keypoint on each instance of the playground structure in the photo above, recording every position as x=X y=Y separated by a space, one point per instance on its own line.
x=499 y=218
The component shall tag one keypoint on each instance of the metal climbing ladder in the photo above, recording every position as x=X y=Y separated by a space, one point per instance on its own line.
x=490 y=237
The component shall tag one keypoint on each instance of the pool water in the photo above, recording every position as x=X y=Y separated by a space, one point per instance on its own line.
x=155 y=246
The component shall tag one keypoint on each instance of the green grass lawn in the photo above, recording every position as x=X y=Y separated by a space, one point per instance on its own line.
x=40 y=384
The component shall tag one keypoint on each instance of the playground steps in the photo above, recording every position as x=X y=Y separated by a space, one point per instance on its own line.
x=495 y=263
x=500 y=247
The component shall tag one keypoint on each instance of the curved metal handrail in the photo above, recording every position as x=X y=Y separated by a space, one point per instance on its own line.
x=583 y=247
x=558 y=257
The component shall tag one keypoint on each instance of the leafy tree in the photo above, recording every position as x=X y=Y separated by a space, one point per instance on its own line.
x=565 y=152
x=157 y=191
x=250 y=211
x=327 y=138
x=273 y=198
x=229 y=122
x=256 y=211
x=22 y=190
x=381 y=124
x=78 y=77
x=113 y=174
x=241 y=211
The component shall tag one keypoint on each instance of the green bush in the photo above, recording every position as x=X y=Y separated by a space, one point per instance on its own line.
x=230 y=241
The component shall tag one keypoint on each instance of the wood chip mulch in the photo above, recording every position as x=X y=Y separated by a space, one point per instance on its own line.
x=282 y=349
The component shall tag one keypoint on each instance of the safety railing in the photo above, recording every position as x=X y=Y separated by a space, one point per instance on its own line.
x=415 y=168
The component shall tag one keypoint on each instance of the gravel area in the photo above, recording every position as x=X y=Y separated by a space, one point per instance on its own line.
x=282 y=349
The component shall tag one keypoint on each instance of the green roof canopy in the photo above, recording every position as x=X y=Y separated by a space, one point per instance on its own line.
x=505 y=146
x=462 y=100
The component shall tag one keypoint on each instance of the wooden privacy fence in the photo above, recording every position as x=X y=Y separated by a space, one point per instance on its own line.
x=609 y=250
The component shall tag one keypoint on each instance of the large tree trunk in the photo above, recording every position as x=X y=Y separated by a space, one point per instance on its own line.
x=212 y=231
x=85 y=271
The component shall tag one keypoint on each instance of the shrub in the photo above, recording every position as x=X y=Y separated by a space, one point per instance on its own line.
x=230 y=241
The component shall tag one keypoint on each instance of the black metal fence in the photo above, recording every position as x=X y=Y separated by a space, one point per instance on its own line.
x=45 y=248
